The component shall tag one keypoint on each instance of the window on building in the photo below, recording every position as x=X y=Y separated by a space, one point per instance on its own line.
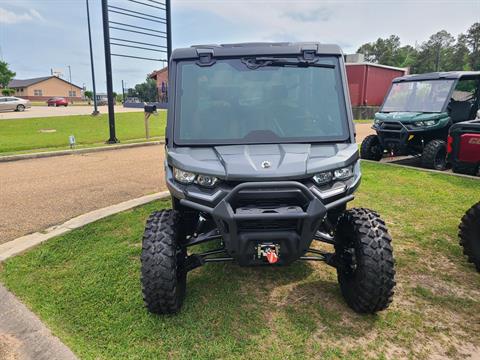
x=37 y=92
x=72 y=93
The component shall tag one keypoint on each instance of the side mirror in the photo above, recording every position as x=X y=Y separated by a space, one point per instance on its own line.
x=478 y=114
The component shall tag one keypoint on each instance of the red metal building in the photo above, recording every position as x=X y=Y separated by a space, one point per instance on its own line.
x=368 y=83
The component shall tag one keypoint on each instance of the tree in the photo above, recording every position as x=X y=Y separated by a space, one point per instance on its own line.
x=435 y=53
x=147 y=91
x=460 y=56
x=441 y=52
x=88 y=94
x=382 y=51
x=406 y=56
x=473 y=41
x=8 y=92
x=6 y=75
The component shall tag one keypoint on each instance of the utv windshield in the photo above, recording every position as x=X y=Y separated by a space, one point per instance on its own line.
x=245 y=101
x=418 y=96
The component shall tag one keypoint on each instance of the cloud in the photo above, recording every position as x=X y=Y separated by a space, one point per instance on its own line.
x=346 y=22
x=314 y=15
x=10 y=17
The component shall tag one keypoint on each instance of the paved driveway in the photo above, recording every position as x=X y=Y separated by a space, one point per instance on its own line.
x=46 y=111
x=38 y=193
x=363 y=130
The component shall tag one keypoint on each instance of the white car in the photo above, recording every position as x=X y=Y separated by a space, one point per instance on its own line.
x=13 y=103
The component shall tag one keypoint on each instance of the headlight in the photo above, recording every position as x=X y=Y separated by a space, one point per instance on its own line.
x=184 y=177
x=323 y=177
x=187 y=177
x=425 y=123
x=343 y=173
x=206 y=180
x=338 y=174
x=377 y=122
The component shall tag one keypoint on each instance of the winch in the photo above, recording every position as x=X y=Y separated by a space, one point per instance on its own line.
x=270 y=252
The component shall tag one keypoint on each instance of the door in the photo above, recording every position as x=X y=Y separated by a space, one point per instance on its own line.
x=3 y=104
x=12 y=103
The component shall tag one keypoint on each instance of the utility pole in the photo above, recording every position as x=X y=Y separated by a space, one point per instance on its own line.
x=123 y=91
x=108 y=68
x=70 y=79
x=95 y=108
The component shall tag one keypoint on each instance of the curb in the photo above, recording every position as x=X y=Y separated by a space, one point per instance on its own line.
x=78 y=151
x=423 y=169
x=26 y=242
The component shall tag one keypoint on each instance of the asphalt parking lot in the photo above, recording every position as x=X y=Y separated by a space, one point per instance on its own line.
x=46 y=111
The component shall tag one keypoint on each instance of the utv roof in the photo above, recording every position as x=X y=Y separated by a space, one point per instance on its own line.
x=439 y=75
x=253 y=49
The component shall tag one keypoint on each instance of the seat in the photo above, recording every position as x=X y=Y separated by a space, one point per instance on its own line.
x=460 y=110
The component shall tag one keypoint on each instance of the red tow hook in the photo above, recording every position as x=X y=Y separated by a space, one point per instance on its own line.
x=272 y=257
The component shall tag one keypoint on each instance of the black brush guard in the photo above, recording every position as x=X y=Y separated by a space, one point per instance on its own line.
x=284 y=213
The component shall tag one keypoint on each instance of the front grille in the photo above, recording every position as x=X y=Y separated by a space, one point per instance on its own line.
x=266 y=203
x=267 y=225
x=391 y=126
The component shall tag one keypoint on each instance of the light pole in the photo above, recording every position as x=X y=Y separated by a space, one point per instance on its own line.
x=169 y=29
x=108 y=69
x=95 y=109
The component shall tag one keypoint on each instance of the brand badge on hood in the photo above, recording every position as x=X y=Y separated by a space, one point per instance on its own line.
x=266 y=164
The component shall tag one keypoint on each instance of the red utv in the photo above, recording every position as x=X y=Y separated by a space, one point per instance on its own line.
x=463 y=147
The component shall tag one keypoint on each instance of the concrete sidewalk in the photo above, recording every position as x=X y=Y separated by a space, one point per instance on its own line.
x=23 y=335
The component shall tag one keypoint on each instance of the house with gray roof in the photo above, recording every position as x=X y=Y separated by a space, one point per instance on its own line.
x=44 y=88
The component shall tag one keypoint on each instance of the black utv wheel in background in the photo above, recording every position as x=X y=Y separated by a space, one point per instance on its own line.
x=470 y=235
x=365 y=265
x=371 y=148
x=434 y=155
x=163 y=278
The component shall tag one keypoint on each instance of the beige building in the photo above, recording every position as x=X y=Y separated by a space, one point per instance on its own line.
x=44 y=88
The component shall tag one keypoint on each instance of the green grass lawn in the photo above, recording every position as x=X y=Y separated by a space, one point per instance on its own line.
x=22 y=135
x=85 y=287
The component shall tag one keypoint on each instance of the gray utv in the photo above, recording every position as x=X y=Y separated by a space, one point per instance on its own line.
x=261 y=160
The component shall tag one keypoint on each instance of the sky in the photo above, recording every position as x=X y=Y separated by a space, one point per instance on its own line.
x=39 y=35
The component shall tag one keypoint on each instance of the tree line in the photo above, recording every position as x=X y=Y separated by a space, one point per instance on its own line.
x=441 y=52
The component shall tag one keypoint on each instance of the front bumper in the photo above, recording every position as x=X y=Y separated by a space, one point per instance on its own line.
x=395 y=136
x=286 y=214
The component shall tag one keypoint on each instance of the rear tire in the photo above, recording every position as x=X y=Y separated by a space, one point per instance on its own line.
x=465 y=169
x=20 y=107
x=365 y=266
x=371 y=148
x=434 y=155
x=469 y=235
x=162 y=275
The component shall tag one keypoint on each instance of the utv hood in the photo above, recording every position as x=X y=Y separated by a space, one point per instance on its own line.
x=265 y=162
x=409 y=117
